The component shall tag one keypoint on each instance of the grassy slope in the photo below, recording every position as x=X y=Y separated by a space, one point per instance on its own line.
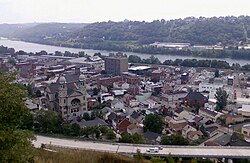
x=83 y=156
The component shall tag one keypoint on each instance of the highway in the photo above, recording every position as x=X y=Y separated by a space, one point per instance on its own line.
x=130 y=149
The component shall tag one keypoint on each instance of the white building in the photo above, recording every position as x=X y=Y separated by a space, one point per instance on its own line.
x=245 y=110
x=208 y=87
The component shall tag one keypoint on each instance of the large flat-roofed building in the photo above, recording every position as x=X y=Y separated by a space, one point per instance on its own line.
x=116 y=65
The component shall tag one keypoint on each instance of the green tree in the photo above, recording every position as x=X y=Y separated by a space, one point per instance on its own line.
x=86 y=116
x=15 y=144
x=216 y=73
x=153 y=123
x=170 y=159
x=134 y=59
x=29 y=89
x=110 y=135
x=75 y=129
x=12 y=61
x=174 y=140
x=128 y=138
x=38 y=93
x=221 y=97
x=48 y=122
x=96 y=91
x=157 y=160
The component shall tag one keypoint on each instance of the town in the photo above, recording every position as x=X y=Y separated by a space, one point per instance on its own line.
x=137 y=103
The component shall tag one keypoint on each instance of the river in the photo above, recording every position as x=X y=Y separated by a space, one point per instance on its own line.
x=32 y=47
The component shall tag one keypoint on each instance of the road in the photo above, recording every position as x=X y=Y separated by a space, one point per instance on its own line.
x=176 y=151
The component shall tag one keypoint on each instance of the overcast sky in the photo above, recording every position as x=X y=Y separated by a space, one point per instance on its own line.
x=85 y=11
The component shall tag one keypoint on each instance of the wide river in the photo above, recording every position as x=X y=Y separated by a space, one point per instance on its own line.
x=32 y=47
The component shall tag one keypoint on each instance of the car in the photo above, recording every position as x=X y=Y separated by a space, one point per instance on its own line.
x=153 y=150
x=160 y=147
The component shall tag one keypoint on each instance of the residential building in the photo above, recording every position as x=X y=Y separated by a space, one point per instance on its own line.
x=246 y=129
x=195 y=99
x=186 y=130
x=210 y=114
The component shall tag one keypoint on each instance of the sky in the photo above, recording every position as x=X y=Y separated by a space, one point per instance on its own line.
x=88 y=11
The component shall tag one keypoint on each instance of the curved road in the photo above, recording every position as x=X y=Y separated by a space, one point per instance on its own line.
x=176 y=151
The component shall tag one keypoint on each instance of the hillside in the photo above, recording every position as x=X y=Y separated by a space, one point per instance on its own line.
x=9 y=30
x=133 y=35
x=39 y=32
x=72 y=156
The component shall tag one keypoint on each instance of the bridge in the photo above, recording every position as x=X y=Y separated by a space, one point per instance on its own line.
x=131 y=149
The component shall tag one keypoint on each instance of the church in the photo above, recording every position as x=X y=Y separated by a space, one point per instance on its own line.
x=67 y=96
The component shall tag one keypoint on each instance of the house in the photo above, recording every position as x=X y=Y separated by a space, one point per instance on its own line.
x=184 y=78
x=245 y=110
x=120 y=85
x=246 y=129
x=136 y=117
x=122 y=126
x=194 y=99
x=92 y=103
x=152 y=137
x=174 y=97
x=177 y=125
x=211 y=143
x=106 y=97
x=117 y=105
x=149 y=103
x=212 y=131
x=186 y=130
x=180 y=113
x=232 y=118
x=132 y=129
x=223 y=140
x=106 y=111
x=210 y=114
x=134 y=103
x=194 y=135
x=91 y=123
x=236 y=140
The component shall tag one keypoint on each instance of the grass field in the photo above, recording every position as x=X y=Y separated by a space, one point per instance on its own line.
x=81 y=156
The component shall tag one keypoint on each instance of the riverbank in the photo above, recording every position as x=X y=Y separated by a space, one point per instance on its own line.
x=33 y=47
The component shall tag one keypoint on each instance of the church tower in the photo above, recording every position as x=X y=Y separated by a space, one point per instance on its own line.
x=82 y=88
x=62 y=96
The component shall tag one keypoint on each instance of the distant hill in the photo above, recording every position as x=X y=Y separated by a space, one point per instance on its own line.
x=8 y=30
x=129 y=35
x=39 y=32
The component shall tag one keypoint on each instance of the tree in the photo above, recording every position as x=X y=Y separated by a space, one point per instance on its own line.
x=174 y=140
x=29 y=89
x=15 y=144
x=221 y=97
x=12 y=61
x=38 y=93
x=128 y=138
x=48 y=122
x=75 y=129
x=216 y=73
x=110 y=135
x=153 y=123
x=96 y=91
x=170 y=159
x=86 y=116
x=157 y=160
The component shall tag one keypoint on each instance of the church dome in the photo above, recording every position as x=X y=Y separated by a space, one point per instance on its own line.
x=81 y=77
x=62 y=80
